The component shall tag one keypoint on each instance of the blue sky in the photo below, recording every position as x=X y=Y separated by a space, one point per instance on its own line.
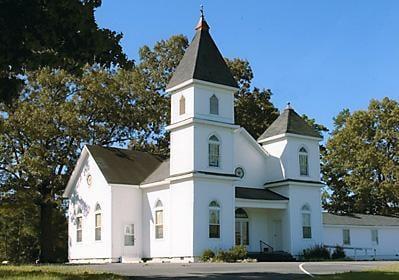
x=320 y=55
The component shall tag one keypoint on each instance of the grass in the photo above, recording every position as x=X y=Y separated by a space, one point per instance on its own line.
x=390 y=272
x=53 y=272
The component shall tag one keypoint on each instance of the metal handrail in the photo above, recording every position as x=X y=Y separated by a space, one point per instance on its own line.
x=263 y=244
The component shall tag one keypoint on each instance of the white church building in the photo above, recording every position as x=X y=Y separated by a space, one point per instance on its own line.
x=219 y=188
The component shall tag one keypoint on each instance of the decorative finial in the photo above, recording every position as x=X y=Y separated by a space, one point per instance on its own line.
x=202 y=25
x=288 y=106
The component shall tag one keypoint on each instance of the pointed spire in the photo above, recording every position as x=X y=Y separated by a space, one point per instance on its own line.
x=288 y=107
x=202 y=61
x=202 y=24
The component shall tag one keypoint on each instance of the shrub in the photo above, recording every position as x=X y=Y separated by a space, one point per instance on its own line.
x=317 y=252
x=207 y=255
x=338 y=253
x=232 y=255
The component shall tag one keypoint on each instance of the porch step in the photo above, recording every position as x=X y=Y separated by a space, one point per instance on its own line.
x=276 y=256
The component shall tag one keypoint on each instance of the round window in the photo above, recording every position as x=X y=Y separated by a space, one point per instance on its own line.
x=239 y=172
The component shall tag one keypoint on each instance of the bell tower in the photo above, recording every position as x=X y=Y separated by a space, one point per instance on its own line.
x=201 y=148
x=202 y=104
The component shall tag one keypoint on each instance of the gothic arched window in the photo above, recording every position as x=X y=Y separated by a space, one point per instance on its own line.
x=97 y=222
x=79 y=227
x=214 y=219
x=306 y=222
x=182 y=105
x=214 y=151
x=159 y=220
x=303 y=162
x=214 y=105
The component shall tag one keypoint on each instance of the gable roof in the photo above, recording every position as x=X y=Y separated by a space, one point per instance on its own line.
x=122 y=166
x=359 y=220
x=161 y=173
x=289 y=122
x=259 y=194
x=202 y=61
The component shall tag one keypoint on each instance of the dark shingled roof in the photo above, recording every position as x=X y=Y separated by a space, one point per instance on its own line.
x=202 y=61
x=259 y=194
x=159 y=174
x=359 y=220
x=289 y=122
x=122 y=166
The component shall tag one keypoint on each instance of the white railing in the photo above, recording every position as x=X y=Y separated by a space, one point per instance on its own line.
x=356 y=250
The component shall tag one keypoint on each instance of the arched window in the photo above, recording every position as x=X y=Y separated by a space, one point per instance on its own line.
x=214 y=105
x=182 y=105
x=303 y=162
x=79 y=228
x=214 y=151
x=214 y=220
x=97 y=222
x=306 y=222
x=242 y=228
x=159 y=220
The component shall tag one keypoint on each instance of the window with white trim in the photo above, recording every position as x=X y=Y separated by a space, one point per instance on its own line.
x=214 y=151
x=346 y=236
x=306 y=222
x=374 y=236
x=214 y=219
x=129 y=235
x=158 y=220
x=214 y=105
x=97 y=222
x=182 y=105
x=303 y=162
x=79 y=227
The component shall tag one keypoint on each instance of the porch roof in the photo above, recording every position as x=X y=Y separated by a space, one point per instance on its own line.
x=258 y=194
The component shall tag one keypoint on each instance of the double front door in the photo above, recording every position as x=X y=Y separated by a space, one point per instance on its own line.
x=242 y=232
x=242 y=227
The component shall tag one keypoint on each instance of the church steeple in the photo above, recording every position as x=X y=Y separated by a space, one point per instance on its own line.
x=202 y=61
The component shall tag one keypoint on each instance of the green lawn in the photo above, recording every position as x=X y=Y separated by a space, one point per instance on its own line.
x=53 y=272
x=390 y=272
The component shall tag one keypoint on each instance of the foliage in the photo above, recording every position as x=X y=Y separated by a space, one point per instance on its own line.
x=317 y=252
x=207 y=255
x=54 y=272
x=43 y=133
x=338 y=253
x=56 y=34
x=234 y=254
x=361 y=160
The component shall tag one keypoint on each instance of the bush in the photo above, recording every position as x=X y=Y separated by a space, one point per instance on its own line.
x=234 y=254
x=207 y=255
x=317 y=252
x=338 y=253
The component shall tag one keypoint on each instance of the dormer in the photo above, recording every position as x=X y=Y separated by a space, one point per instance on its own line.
x=202 y=86
x=293 y=146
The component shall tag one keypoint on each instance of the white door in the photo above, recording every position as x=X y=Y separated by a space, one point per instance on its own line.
x=129 y=248
x=277 y=235
x=242 y=231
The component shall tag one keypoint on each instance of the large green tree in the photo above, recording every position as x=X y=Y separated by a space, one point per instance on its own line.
x=361 y=160
x=43 y=132
x=57 y=34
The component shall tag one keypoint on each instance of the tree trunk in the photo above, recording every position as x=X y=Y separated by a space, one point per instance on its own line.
x=46 y=232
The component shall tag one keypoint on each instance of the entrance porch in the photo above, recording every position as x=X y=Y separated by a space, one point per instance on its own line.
x=261 y=220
